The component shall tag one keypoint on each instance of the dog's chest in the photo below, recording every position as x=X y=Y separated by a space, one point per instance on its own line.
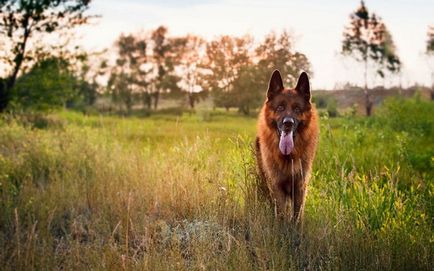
x=281 y=168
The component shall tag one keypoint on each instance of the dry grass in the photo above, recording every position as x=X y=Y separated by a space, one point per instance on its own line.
x=168 y=193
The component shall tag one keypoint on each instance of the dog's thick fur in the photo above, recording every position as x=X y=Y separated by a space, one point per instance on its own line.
x=285 y=176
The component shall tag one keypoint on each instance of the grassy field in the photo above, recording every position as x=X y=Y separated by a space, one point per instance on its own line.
x=178 y=193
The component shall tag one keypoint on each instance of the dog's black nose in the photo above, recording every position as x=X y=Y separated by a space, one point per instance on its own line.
x=288 y=124
x=288 y=121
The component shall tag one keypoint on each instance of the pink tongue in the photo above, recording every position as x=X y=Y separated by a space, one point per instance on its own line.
x=286 y=144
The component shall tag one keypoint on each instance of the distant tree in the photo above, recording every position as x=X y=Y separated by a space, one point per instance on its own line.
x=22 y=20
x=367 y=40
x=164 y=55
x=247 y=92
x=128 y=76
x=121 y=90
x=88 y=92
x=86 y=83
x=47 y=85
x=189 y=55
x=276 y=52
x=239 y=73
x=224 y=59
x=430 y=41
x=430 y=51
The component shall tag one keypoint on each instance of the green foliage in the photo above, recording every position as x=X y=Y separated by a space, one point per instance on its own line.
x=332 y=108
x=178 y=192
x=22 y=20
x=87 y=94
x=247 y=94
x=49 y=84
x=413 y=120
x=319 y=101
x=225 y=57
x=164 y=54
x=326 y=105
x=127 y=77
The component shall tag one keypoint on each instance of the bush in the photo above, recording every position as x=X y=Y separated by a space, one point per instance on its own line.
x=320 y=101
x=411 y=115
x=332 y=108
x=412 y=118
x=48 y=85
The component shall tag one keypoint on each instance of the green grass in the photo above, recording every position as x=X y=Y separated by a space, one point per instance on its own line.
x=178 y=193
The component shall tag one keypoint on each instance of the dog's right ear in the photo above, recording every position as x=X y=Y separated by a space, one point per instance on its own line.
x=275 y=86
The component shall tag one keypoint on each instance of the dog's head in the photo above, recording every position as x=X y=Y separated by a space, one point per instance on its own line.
x=288 y=110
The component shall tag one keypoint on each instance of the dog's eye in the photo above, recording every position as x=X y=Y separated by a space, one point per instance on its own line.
x=297 y=110
x=280 y=108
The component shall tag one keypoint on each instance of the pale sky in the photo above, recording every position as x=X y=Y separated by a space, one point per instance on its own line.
x=317 y=25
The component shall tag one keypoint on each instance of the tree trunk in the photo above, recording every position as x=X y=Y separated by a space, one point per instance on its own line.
x=156 y=98
x=129 y=107
x=4 y=95
x=20 y=48
x=146 y=99
x=5 y=89
x=191 y=100
x=245 y=110
x=368 y=102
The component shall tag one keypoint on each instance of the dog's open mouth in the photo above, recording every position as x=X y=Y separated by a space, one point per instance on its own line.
x=286 y=143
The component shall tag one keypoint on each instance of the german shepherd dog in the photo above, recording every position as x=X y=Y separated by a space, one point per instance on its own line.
x=287 y=136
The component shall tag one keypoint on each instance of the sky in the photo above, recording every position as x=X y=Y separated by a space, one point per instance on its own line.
x=316 y=24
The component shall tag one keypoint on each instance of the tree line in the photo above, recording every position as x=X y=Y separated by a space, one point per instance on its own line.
x=142 y=67
x=233 y=70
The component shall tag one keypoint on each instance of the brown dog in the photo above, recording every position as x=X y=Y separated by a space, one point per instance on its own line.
x=286 y=143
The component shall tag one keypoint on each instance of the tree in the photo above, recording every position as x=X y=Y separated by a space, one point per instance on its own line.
x=48 y=84
x=188 y=64
x=21 y=20
x=430 y=50
x=128 y=76
x=239 y=73
x=88 y=88
x=368 y=41
x=120 y=89
x=224 y=59
x=276 y=52
x=85 y=77
x=164 y=55
x=430 y=41
x=247 y=92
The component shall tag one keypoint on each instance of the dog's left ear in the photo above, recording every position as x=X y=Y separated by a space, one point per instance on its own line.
x=303 y=86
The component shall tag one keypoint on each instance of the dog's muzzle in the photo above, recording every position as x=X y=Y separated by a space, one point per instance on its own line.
x=287 y=129
x=288 y=124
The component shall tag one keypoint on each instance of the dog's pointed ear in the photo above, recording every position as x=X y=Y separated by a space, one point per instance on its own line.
x=303 y=86
x=275 y=86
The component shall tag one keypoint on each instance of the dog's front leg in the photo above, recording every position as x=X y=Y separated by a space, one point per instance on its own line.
x=280 y=202
x=298 y=200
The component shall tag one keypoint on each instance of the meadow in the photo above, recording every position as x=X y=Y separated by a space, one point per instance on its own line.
x=169 y=192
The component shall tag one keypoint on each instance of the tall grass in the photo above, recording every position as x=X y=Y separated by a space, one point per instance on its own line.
x=178 y=193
